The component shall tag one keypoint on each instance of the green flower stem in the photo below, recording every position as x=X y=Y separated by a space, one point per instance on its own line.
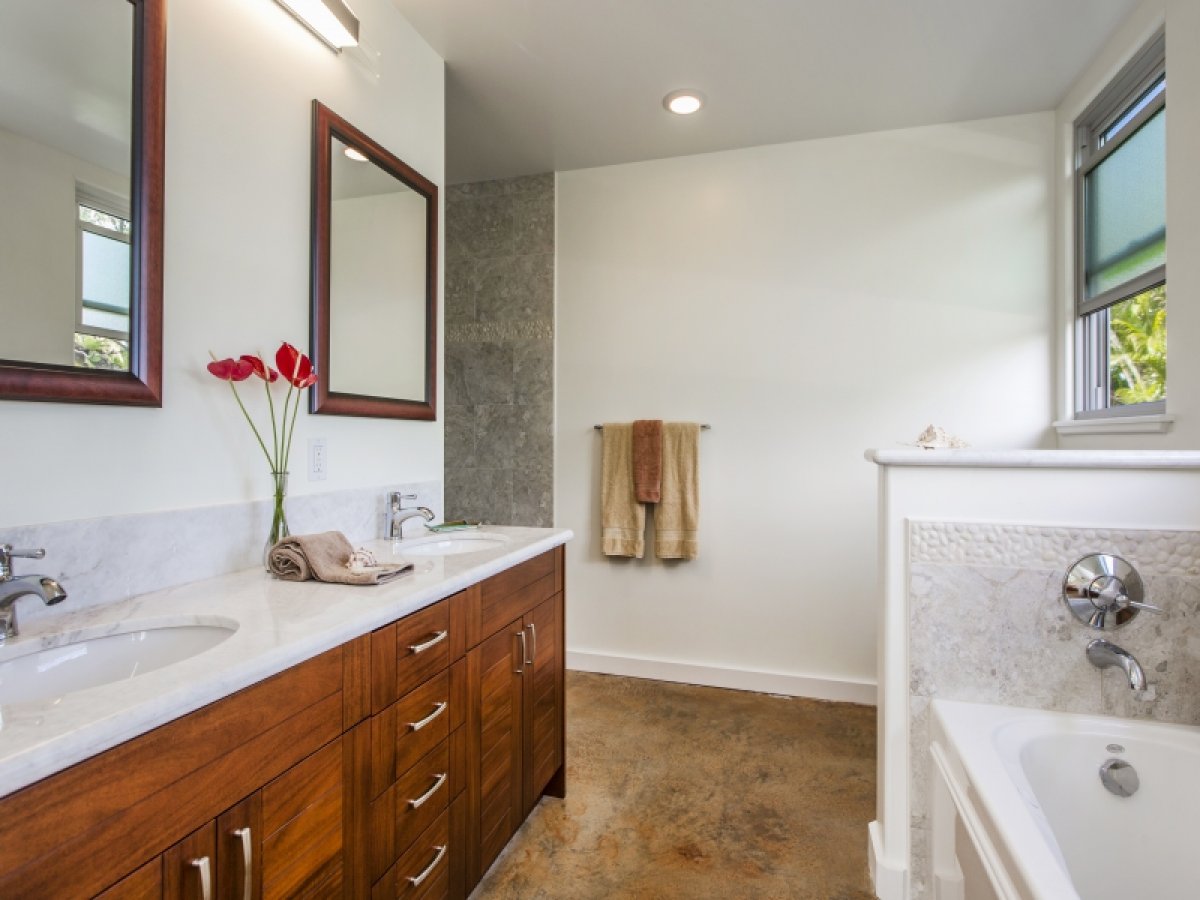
x=292 y=430
x=253 y=428
x=274 y=427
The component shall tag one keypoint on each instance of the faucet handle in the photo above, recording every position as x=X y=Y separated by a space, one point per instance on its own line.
x=8 y=553
x=1123 y=601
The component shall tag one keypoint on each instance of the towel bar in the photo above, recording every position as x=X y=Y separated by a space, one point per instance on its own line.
x=702 y=427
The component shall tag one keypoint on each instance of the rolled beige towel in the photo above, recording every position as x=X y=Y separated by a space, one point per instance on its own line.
x=326 y=557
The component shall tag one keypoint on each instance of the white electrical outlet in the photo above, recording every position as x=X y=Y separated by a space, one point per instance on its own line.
x=318 y=459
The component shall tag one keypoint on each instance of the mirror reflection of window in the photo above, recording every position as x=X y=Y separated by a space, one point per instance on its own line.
x=102 y=328
x=377 y=275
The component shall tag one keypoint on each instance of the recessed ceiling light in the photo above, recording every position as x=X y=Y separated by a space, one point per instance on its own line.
x=683 y=103
x=355 y=154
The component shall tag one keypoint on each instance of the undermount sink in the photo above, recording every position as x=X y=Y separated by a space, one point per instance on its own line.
x=451 y=544
x=49 y=673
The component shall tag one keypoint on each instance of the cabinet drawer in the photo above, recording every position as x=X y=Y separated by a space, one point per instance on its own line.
x=513 y=593
x=408 y=652
x=408 y=807
x=423 y=873
x=415 y=724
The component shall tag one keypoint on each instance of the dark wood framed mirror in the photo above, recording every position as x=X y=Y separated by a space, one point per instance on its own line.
x=374 y=277
x=82 y=138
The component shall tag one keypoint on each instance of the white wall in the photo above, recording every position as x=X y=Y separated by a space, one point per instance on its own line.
x=808 y=300
x=1182 y=18
x=40 y=240
x=240 y=81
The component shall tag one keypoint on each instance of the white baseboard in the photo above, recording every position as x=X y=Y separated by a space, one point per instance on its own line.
x=715 y=676
x=890 y=882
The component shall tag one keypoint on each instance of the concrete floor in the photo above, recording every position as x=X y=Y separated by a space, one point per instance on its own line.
x=677 y=791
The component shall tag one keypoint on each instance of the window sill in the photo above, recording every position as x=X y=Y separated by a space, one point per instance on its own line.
x=1154 y=424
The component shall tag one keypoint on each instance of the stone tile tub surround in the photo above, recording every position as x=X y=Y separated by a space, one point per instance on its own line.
x=987 y=624
x=500 y=350
x=105 y=560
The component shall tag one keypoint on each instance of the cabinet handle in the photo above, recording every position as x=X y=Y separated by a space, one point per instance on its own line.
x=204 y=867
x=247 y=862
x=532 y=644
x=438 y=637
x=416 y=880
x=439 y=709
x=520 y=670
x=438 y=781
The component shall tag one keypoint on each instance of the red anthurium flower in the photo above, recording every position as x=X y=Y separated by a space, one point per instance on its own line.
x=261 y=369
x=294 y=366
x=231 y=369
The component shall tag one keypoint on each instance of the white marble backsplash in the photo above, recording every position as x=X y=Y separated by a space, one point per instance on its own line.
x=104 y=560
x=987 y=624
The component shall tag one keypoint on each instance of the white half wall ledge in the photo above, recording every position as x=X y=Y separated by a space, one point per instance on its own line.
x=812 y=687
x=1038 y=459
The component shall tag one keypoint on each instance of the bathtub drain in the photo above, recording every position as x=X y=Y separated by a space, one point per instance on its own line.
x=1119 y=777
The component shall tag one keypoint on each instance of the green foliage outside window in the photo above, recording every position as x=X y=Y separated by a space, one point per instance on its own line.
x=1137 y=348
x=95 y=352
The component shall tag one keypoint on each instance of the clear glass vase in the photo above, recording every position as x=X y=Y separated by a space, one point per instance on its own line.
x=279 y=525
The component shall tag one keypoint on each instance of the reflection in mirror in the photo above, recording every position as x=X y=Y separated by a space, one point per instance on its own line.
x=66 y=125
x=374 y=277
x=376 y=280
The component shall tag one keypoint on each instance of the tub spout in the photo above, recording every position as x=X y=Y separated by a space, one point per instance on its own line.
x=1103 y=655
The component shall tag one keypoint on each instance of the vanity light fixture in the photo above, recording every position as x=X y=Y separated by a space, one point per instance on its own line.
x=330 y=20
x=683 y=103
x=355 y=154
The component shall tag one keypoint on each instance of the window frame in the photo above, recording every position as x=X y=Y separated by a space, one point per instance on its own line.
x=1091 y=322
x=112 y=205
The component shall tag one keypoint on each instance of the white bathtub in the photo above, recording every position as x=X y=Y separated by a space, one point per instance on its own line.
x=1019 y=811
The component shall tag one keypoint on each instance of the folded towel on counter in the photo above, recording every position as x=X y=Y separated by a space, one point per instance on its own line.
x=622 y=518
x=647 y=459
x=328 y=557
x=677 y=517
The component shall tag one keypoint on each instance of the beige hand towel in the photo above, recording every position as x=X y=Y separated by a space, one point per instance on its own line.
x=647 y=460
x=622 y=518
x=325 y=557
x=677 y=517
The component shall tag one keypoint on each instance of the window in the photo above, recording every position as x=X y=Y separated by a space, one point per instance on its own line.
x=1121 y=243
x=102 y=311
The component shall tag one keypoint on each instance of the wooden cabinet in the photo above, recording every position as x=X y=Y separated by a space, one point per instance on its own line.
x=397 y=765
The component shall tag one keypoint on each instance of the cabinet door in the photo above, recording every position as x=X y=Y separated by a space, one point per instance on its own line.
x=543 y=751
x=500 y=667
x=239 y=850
x=190 y=867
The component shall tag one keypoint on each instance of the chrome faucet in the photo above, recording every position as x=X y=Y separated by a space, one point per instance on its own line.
x=13 y=588
x=1104 y=655
x=397 y=515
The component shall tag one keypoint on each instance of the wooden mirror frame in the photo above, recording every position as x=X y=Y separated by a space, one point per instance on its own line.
x=328 y=125
x=142 y=384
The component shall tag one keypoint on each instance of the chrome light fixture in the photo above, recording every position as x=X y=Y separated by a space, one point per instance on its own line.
x=330 y=20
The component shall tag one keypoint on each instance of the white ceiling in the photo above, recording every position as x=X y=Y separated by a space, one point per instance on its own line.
x=542 y=85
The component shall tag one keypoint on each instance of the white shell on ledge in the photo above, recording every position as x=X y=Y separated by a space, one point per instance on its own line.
x=934 y=437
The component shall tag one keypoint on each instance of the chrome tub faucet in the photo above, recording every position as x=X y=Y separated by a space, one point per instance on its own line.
x=1104 y=655
x=397 y=515
x=13 y=588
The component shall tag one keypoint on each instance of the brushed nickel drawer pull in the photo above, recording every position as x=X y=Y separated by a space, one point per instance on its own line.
x=247 y=862
x=438 y=781
x=524 y=647
x=440 y=708
x=438 y=637
x=204 y=867
x=416 y=880
x=532 y=644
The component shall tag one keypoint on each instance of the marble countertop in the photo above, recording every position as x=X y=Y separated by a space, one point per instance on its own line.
x=280 y=624
x=1038 y=459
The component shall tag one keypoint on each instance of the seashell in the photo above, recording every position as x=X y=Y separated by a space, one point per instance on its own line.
x=934 y=437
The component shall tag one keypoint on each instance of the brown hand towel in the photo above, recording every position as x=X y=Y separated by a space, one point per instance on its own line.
x=622 y=518
x=647 y=459
x=324 y=557
x=677 y=517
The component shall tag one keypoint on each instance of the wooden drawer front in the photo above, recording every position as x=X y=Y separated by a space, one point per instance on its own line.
x=414 y=725
x=430 y=857
x=144 y=884
x=395 y=821
x=302 y=829
x=407 y=653
x=513 y=593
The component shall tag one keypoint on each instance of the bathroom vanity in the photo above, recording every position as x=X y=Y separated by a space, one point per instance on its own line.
x=397 y=762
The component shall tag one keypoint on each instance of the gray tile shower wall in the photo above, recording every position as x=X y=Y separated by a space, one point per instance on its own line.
x=500 y=350
x=987 y=624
